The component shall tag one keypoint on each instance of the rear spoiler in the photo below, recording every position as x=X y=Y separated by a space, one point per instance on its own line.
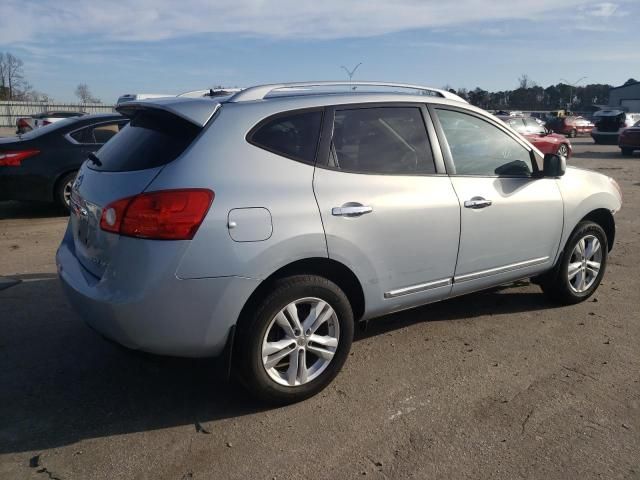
x=197 y=111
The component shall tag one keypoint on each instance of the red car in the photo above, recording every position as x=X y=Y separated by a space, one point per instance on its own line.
x=629 y=139
x=570 y=126
x=538 y=135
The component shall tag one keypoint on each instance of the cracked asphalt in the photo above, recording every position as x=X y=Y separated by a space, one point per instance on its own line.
x=500 y=384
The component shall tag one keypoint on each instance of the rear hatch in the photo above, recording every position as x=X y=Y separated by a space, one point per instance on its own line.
x=156 y=135
x=610 y=121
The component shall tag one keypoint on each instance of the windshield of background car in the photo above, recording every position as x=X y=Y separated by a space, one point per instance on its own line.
x=534 y=127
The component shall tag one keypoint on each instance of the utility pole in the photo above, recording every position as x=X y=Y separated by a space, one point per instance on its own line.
x=572 y=86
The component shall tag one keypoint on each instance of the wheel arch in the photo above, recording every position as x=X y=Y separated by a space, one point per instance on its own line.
x=328 y=268
x=53 y=187
x=604 y=218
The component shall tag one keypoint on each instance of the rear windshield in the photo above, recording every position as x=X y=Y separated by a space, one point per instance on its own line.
x=52 y=127
x=151 y=139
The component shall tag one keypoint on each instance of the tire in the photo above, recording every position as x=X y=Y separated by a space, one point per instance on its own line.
x=573 y=133
x=559 y=286
x=270 y=327
x=627 y=152
x=62 y=193
x=563 y=150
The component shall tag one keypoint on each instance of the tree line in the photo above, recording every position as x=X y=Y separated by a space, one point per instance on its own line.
x=14 y=85
x=531 y=96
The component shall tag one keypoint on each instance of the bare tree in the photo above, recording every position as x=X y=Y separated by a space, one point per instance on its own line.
x=524 y=81
x=84 y=94
x=13 y=85
x=14 y=75
x=3 y=82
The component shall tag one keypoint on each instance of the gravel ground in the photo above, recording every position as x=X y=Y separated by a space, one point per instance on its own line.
x=498 y=384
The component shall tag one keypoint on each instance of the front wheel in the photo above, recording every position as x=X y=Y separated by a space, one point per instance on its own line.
x=563 y=150
x=297 y=340
x=581 y=267
x=573 y=133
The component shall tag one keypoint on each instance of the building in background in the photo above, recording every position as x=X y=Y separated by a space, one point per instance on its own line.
x=626 y=97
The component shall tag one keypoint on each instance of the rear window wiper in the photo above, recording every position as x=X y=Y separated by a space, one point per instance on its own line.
x=95 y=160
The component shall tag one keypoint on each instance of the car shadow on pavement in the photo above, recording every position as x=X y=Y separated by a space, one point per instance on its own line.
x=60 y=382
x=12 y=210
x=496 y=301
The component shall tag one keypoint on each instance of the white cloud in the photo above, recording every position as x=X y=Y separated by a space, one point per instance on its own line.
x=605 y=10
x=148 y=20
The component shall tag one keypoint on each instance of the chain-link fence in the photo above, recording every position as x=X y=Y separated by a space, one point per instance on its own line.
x=11 y=111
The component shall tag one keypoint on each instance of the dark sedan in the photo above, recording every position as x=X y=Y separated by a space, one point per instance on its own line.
x=41 y=165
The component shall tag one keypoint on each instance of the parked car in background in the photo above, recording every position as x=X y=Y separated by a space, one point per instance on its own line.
x=26 y=124
x=570 y=126
x=539 y=135
x=132 y=97
x=609 y=124
x=265 y=224
x=41 y=165
x=629 y=139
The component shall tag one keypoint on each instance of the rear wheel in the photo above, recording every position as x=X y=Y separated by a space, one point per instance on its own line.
x=296 y=341
x=563 y=150
x=627 y=152
x=62 y=194
x=581 y=267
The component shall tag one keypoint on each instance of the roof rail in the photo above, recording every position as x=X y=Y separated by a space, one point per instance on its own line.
x=260 y=92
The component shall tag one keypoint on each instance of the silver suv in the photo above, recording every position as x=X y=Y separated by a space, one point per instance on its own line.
x=268 y=222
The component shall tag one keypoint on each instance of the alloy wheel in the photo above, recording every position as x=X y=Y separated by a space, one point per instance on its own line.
x=300 y=341
x=66 y=192
x=584 y=264
x=563 y=150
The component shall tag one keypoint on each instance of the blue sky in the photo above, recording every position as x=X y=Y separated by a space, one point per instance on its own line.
x=163 y=46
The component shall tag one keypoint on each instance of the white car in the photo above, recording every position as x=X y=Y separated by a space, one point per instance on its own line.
x=26 y=124
x=131 y=97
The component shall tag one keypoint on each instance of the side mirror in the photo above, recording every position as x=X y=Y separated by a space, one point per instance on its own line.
x=554 y=165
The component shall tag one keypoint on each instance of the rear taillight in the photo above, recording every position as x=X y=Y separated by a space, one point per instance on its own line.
x=15 y=158
x=161 y=215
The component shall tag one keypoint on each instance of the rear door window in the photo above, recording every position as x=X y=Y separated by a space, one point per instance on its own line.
x=293 y=134
x=151 y=139
x=383 y=140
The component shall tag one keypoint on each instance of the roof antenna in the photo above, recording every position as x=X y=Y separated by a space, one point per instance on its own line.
x=351 y=72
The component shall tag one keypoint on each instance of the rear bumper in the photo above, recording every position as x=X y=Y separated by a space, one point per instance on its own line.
x=633 y=143
x=605 y=137
x=167 y=316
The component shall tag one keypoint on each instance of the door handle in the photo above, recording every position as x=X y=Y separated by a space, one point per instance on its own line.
x=477 y=202
x=351 y=210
